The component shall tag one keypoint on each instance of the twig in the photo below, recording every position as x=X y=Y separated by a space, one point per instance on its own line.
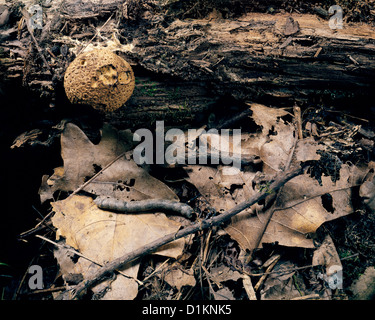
x=96 y=33
x=96 y=175
x=312 y=296
x=298 y=120
x=275 y=204
x=49 y=290
x=118 y=263
x=248 y=287
x=263 y=277
x=84 y=257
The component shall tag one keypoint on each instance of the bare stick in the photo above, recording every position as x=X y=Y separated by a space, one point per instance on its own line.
x=298 y=120
x=275 y=205
x=96 y=33
x=119 y=263
x=83 y=256
x=96 y=175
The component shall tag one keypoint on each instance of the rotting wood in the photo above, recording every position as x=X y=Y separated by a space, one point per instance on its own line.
x=252 y=58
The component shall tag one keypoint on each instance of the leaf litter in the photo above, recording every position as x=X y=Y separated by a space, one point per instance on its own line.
x=230 y=261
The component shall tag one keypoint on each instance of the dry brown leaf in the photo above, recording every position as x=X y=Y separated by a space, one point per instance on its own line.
x=275 y=145
x=306 y=205
x=82 y=160
x=220 y=190
x=274 y=142
x=103 y=236
x=306 y=150
x=224 y=273
x=179 y=278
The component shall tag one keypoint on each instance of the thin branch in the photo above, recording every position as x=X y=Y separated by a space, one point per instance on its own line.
x=316 y=196
x=84 y=257
x=119 y=263
x=96 y=34
x=96 y=175
x=272 y=210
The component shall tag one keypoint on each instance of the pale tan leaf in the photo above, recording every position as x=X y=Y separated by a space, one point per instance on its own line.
x=103 y=236
x=275 y=141
x=265 y=116
x=306 y=150
x=327 y=256
x=303 y=208
x=179 y=278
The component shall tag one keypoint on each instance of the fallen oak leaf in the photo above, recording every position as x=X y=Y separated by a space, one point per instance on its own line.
x=104 y=236
x=121 y=179
x=275 y=139
x=306 y=205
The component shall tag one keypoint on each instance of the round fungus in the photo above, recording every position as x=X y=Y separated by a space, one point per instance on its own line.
x=99 y=78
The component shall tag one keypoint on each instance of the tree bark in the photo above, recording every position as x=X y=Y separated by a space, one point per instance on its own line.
x=194 y=66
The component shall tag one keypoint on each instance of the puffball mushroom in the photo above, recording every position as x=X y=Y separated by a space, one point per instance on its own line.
x=99 y=78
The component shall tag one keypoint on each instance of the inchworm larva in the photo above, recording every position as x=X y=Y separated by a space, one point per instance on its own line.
x=144 y=206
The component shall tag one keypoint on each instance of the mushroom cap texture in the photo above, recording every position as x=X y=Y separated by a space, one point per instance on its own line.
x=99 y=78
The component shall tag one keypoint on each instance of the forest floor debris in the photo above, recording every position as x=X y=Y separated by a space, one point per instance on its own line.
x=311 y=238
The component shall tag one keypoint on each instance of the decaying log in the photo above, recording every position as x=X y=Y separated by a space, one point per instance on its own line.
x=256 y=56
x=195 y=64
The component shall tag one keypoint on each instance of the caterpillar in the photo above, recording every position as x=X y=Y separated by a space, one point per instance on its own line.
x=142 y=206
